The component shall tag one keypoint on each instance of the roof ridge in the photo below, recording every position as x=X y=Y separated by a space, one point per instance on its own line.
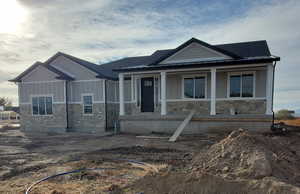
x=68 y=55
x=251 y=41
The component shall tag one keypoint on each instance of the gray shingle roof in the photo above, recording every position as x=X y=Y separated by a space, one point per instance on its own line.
x=247 y=49
x=244 y=52
x=240 y=52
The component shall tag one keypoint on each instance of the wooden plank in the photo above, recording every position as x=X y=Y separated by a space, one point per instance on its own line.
x=182 y=126
x=151 y=137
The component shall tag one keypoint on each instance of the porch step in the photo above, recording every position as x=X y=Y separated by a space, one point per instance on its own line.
x=182 y=126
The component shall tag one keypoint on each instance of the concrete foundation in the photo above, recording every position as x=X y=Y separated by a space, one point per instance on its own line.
x=144 y=124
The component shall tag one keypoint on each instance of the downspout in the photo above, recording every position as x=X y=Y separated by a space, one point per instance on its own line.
x=67 y=106
x=105 y=104
x=273 y=119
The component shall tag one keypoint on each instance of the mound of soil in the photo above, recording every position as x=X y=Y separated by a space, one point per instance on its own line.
x=244 y=155
x=242 y=162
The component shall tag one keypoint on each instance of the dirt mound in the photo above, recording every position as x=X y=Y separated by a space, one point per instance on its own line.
x=242 y=162
x=245 y=155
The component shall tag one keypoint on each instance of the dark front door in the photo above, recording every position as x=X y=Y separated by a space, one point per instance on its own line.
x=147 y=90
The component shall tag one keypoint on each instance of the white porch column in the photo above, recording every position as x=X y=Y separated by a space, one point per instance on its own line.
x=213 y=92
x=163 y=93
x=269 y=89
x=121 y=94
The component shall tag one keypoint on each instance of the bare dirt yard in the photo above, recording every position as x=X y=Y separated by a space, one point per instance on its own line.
x=237 y=162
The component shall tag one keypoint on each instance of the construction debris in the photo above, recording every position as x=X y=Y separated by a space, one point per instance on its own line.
x=182 y=126
x=240 y=163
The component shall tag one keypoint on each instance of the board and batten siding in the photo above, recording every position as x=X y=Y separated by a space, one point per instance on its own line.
x=112 y=91
x=53 y=88
x=78 y=88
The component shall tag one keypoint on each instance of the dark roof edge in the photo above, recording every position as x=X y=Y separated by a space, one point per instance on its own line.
x=28 y=70
x=207 y=64
x=60 y=74
x=99 y=75
x=199 y=42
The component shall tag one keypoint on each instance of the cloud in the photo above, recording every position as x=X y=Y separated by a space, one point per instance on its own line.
x=100 y=30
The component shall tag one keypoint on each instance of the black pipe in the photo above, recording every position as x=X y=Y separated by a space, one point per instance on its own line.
x=273 y=119
x=67 y=106
x=105 y=104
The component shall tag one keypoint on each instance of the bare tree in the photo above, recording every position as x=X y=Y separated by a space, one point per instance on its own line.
x=5 y=102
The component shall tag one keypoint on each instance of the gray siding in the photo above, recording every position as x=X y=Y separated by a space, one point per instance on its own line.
x=112 y=88
x=221 y=85
x=55 y=89
x=87 y=87
x=127 y=90
x=261 y=83
x=174 y=84
x=39 y=74
x=194 y=51
x=77 y=71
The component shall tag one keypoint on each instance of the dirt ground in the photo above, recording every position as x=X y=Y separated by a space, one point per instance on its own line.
x=238 y=162
x=291 y=122
x=26 y=158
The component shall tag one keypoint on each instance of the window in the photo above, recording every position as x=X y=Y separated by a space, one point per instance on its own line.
x=42 y=105
x=194 y=87
x=88 y=104
x=241 y=85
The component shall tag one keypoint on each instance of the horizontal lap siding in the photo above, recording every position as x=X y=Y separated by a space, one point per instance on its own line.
x=55 y=89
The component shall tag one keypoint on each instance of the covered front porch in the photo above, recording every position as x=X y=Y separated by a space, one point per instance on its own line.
x=209 y=91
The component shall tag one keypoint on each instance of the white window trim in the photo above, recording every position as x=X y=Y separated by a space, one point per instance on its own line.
x=82 y=104
x=193 y=76
x=241 y=92
x=38 y=115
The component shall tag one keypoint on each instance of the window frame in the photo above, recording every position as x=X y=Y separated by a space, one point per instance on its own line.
x=241 y=88
x=45 y=104
x=83 y=105
x=194 y=76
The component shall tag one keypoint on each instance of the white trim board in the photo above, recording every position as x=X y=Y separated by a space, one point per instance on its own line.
x=195 y=69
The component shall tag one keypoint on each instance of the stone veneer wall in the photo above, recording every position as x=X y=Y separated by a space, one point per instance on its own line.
x=241 y=106
x=133 y=109
x=87 y=123
x=48 y=123
x=112 y=115
x=201 y=107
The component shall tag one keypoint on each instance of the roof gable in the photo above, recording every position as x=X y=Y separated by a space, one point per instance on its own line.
x=94 y=68
x=72 y=68
x=195 y=52
x=39 y=65
x=202 y=43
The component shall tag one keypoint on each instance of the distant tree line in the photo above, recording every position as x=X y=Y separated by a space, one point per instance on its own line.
x=284 y=114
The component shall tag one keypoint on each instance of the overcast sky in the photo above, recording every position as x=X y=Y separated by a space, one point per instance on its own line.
x=103 y=30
